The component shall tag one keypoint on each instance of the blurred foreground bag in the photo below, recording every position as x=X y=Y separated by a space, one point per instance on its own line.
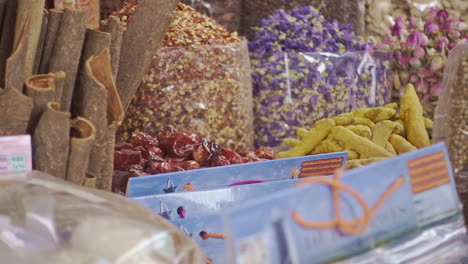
x=46 y=220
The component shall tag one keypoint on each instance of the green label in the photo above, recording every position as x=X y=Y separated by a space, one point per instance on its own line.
x=18 y=163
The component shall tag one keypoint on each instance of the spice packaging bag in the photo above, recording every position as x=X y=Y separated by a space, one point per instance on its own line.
x=51 y=221
x=381 y=14
x=92 y=5
x=225 y=12
x=345 y=11
x=205 y=89
x=451 y=115
x=295 y=89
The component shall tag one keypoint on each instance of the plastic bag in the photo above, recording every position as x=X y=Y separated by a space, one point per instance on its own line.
x=225 y=12
x=381 y=14
x=451 y=117
x=202 y=89
x=345 y=11
x=305 y=87
x=46 y=220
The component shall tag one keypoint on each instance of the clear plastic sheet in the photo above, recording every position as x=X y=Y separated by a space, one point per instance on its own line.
x=451 y=117
x=46 y=220
x=225 y=12
x=345 y=11
x=446 y=243
x=306 y=87
x=202 y=89
x=381 y=14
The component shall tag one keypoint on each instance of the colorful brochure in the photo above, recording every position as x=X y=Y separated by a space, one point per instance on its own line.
x=216 y=177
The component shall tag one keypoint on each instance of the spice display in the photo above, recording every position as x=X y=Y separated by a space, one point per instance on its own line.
x=382 y=138
x=174 y=151
x=452 y=112
x=381 y=14
x=150 y=21
x=32 y=10
x=198 y=81
x=82 y=136
x=15 y=64
x=298 y=80
x=67 y=51
x=420 y=51
x=51 y=141
x=345 y=11
x=225 y=12
x=16 y=110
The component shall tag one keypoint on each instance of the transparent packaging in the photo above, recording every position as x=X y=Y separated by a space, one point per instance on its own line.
x=345 y=11
x=305 y=87
x=46 y=220
x=225 y=12
x=202 y=89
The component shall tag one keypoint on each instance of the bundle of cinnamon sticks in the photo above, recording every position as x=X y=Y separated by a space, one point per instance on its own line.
x=59 y=82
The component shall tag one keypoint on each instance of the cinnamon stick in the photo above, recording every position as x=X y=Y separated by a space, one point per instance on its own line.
x=2 y=12
x=141 y=39
x=15 y=109
x=83 y=135
x=7 y=36
x=67 y=50
x=51 y=141
x=116 y=30
x=55 y=16
x=35 y=9
x=41 y=88
x=14 y=70
x=89 y=181
x=98 y=83
x=40 y=44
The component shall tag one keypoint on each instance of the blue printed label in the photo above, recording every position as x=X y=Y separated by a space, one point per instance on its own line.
x=18 y=163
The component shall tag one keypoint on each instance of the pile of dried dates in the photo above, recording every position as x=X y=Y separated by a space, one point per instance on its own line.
x=171 y=152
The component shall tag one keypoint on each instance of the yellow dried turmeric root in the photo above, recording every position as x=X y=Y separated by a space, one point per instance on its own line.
x=401 y=132
x=411 y=112
x=350 y=164
x=352 y=155
x=428 y=123
x=389 y=147
x=361 y=130
x=309 y=141
x=291 y=142
x=361 y=145
x=328 y=145
x=382 y=131
x=393 y=106
x=400 y=144
x=351 y=120
x=375 y=114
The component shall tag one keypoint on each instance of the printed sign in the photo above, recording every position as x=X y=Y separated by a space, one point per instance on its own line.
x=15 y=154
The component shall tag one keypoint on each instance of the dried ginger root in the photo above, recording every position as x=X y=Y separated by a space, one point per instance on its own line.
x=361 y=130
x=359 y=144
x=400 y=144
x=381 y=131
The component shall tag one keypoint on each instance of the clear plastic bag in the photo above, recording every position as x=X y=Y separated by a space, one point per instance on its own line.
x=345 y=11
x=46 y=220
x=305 y=87
x=202 y=89
x=381 y=14
x=225 y=12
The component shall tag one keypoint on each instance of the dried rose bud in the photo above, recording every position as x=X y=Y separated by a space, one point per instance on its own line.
x=431 y=27
x=437 y=63
x=415 y=63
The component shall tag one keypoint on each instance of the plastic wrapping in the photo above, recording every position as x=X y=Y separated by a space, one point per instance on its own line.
x=203 y=89
x=45 y=220
x=446 y=243
x=381 y=14
x=225 y=12
x=451 y=116
x=305 y=87
x=345 y=11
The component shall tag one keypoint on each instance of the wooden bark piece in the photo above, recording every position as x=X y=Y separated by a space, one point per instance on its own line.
x=14 y=70
x=15 y=109
x=141 y=39
x=83 y=135
x=116 y=30
x=41 y=88
x=35 y=9
x=55 y=16
x=111 y=115
x=67 y=50
x=7 y=35
x=2 y=13
x=51 y=140
x=89 y=181
x=40 y=44
x=59 y=82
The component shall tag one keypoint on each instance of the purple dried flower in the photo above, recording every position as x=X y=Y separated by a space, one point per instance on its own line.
x=443 y=43
x=437 y=63
x=431 y=27
x=442 y=15
x=399 y=27
x=430 y=14
x=419 y=53
x=415 y=63
x=414 y=40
